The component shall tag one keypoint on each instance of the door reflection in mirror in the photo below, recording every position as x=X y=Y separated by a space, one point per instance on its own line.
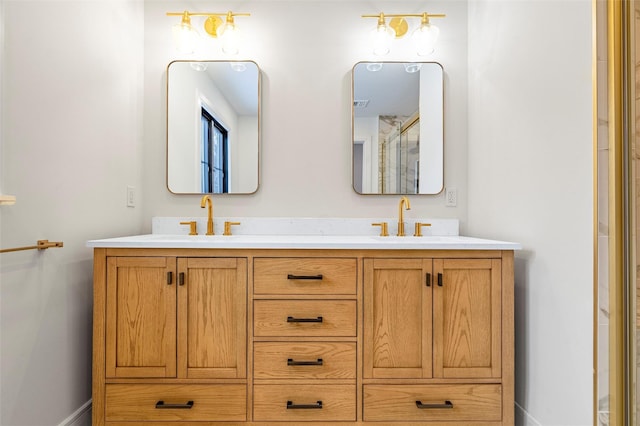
x=397 y=122
x=213 y=127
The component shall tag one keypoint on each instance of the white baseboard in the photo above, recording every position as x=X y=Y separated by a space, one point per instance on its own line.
x=80 y=417
x=523 y=418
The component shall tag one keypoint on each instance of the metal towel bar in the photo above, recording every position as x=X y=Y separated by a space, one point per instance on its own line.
x=41 y=245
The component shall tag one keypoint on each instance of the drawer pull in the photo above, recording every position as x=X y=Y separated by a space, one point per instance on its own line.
x=447 y=404
x=187 y=406
x=304 y=277
x=292 y=319
x=292 y=406
x=292 y=362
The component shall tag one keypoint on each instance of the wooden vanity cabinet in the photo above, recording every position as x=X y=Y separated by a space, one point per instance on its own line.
x=167 y=320
x=284 y=337
x=425 y=321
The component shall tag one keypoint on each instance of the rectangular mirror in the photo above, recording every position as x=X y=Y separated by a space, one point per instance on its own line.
x=213 y=127
x=398 y=127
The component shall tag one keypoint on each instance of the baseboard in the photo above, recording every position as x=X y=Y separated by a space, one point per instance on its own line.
x=523 y=418
x=80 y=417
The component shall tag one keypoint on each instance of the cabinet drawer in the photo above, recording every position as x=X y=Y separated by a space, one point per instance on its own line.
x=304 y=317
x=135 y=402
x=304 y=360
x=304 y=276
x=299 y=403
x=481 y=402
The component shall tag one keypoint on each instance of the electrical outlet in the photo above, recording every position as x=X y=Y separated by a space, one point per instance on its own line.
x=451 y=197
x=131 y=196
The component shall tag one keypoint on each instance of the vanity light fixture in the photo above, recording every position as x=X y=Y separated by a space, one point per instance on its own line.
x=185 y=36
x=424 y=37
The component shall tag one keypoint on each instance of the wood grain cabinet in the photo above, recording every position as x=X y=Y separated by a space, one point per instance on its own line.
x=433 y=339
x=283 y=337
x=174 y=318
x=305 y=333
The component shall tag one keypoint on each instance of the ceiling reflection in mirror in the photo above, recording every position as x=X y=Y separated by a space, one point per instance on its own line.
x=397 y=123
x=213 y=127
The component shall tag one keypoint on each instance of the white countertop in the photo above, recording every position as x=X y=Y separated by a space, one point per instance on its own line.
x=304 y=242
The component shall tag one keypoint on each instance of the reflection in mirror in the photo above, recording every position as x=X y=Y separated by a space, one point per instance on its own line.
x=397 y=127
x=213 y=127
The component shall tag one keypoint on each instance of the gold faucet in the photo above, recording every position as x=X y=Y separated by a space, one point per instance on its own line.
x=403 y=201
x=206 y=201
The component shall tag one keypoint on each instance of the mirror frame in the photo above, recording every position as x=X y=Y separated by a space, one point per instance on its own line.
x=259 y=129
x=437 y=149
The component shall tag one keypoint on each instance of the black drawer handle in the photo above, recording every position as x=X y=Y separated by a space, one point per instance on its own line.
x=447 y=404
x=292 y=406
x=292 y=319
x=292 y=362
x=187 y=406
x=304 y=277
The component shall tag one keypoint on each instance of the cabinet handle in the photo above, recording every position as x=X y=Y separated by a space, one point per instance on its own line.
x=187 y=406
x=292 y=362
x=439 y=279
x=304 y=277
x=169 y=278
x=292 y=406
x=292 y=319
x=181 y=278
x=447 y=404
x=428 y=279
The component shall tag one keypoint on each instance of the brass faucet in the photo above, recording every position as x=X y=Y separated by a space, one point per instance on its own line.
x=206 y=201
x=403 y=201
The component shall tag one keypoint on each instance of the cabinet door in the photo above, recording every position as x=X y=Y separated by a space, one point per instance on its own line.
x=141 y=317
x=212 y=294
x=466 y=317
x=397 y=318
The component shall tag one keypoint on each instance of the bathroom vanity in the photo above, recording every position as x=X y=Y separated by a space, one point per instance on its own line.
x=270 y=330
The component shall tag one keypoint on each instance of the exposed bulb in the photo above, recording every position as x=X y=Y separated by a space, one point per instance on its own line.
x=230 y=39
x=425 y=38
x=412 y=67
x=381 y=38
x=185 y=37
x=238 y=66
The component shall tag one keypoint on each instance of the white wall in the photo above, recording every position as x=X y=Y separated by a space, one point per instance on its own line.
x=531 y=180
x=70 y=143
x=306 y=50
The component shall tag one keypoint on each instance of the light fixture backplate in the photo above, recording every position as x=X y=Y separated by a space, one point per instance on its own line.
x=211 y=25
x=399 y=26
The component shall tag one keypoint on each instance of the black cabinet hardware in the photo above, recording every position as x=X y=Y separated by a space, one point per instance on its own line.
x=187 y=406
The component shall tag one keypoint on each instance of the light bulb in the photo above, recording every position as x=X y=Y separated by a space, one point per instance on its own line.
x=238 y=66
x=374 y=66
x=425 y=38
x=185 y=37
x=412 y=67
x=381 y=38
x=198 y=66
x=230 y=39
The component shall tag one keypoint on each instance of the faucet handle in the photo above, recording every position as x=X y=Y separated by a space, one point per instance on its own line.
x=192 y=227
x=384 y=232
x=227 y=227
x=418 y=232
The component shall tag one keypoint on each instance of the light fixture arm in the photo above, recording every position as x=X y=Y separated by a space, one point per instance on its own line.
x=382 y=16
x=226 y=14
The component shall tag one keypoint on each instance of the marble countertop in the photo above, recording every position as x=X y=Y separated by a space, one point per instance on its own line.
x=446 y=242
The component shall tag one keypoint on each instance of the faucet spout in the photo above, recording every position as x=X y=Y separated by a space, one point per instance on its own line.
x=404 y=202
x=206 y=202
